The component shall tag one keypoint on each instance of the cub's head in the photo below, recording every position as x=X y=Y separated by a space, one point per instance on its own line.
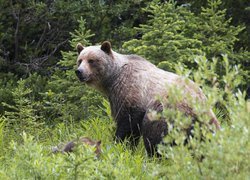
x=94 y=63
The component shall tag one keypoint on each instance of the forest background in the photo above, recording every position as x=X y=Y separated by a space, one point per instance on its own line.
x=43 y=104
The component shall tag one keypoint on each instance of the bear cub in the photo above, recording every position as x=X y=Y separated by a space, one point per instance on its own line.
x=69 y=146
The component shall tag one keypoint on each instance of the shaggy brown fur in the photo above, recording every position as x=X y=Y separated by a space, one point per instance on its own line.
x=133 y=85
x=69 y=146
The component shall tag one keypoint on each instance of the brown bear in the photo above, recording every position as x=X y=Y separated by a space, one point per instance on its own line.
x=133 y=86
x=69 y=146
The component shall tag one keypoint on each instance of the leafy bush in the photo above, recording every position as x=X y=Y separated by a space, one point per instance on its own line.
x=225 y=148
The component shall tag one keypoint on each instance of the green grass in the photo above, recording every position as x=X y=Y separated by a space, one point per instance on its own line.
x=226 y=156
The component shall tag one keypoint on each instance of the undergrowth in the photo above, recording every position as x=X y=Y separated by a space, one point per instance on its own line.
x=28 y=154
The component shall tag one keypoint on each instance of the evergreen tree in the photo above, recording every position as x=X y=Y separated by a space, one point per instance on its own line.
x=167 y=36
x=23 y=115
x=175 y=35
x=215 y=32
x=32 y=33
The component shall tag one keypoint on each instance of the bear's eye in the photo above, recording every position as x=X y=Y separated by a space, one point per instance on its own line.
x=91 y=61
x=79 y=62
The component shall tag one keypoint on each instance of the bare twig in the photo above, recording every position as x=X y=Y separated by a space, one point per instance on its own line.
x=16 y=15
x=37 y=62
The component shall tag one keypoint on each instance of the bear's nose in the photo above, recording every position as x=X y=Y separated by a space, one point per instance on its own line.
x=80 y=75
x=78 y=72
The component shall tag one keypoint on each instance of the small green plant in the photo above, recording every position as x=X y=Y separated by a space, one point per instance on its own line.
x=22 y=116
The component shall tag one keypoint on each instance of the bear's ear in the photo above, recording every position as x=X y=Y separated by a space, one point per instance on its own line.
x=79 y=48
x=106 y=47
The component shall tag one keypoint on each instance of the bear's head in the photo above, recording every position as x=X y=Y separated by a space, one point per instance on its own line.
x=95 y=64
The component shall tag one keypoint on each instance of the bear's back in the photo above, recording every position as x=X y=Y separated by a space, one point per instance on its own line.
x=148 y=82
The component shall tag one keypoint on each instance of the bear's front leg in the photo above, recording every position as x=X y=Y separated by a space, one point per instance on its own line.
x=122 y=134
x=129 y=127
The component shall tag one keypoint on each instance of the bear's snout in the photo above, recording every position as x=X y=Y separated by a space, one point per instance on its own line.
x=79 y=74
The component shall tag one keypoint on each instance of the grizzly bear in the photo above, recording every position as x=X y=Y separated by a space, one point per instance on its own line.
x=69 y=146
x=133 y=87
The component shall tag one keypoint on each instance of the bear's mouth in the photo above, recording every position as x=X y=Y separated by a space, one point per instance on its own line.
x=83 y=79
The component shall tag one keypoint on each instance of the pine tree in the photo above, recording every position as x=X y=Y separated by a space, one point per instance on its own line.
x=167 y=36
x=22 y=116
x=174 y=35
x=214 y=30
x=219 y=38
